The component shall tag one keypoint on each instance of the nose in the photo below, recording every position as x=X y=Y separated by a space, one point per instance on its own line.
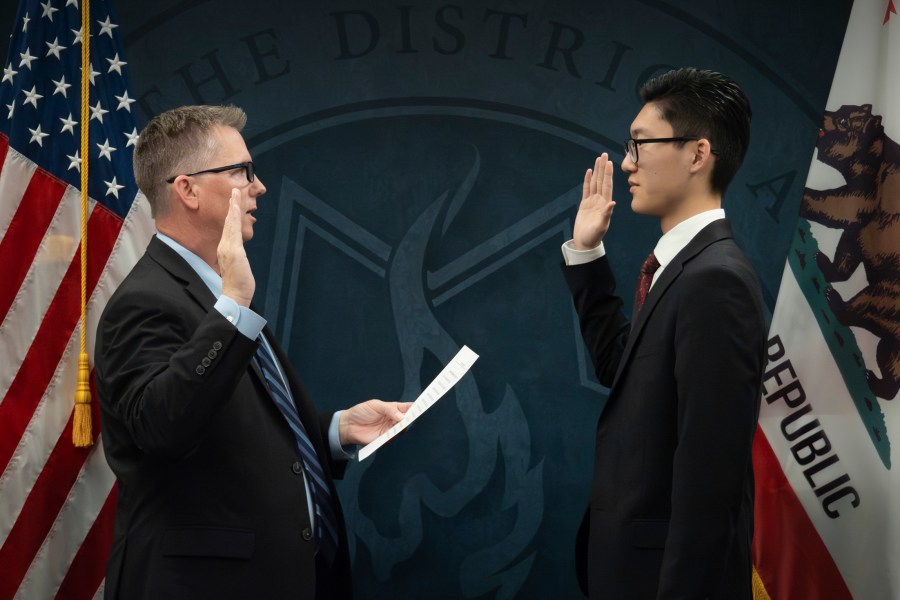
x=628 y=165
x=257 y=186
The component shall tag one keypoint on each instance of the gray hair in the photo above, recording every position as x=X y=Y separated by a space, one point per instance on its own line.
x=175 y=142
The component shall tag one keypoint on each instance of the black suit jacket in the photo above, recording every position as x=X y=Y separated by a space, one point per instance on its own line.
x=211 y=503
x=671 y=507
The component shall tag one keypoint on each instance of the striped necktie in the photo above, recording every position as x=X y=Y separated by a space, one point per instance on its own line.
x=326 y=521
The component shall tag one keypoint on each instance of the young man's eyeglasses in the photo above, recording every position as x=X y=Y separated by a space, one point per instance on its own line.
x=631 y=144
x=248 y=167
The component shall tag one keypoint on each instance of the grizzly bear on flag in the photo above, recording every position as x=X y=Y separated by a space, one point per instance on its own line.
x=867 y=209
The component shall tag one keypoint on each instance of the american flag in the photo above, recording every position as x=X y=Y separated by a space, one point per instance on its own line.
x=57 y=501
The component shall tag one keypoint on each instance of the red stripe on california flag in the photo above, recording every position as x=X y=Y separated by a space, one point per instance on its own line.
x=54 y=334
x=26 y=230
x=786 y=545
x=88 y=569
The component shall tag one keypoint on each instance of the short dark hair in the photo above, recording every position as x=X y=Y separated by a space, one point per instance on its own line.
x=709 y=105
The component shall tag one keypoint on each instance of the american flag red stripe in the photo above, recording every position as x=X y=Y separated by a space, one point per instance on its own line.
x=25 y=233
x=65 y=462
x=36 y=519
x=4 y=148
x=56 y=329
x=57 y=502
x=39 y=384
x=86 y=572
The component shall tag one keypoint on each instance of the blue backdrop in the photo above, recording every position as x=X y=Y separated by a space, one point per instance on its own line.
x=423 y=162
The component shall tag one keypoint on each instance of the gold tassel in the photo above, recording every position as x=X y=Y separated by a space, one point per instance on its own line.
x=759 y=589
x=82 y=431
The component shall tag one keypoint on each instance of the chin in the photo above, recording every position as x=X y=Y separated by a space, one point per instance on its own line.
x=641 y=208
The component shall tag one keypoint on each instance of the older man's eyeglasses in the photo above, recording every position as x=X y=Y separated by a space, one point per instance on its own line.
x=248 y=168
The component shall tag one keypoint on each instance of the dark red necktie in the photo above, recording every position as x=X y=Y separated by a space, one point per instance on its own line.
x=644 y=280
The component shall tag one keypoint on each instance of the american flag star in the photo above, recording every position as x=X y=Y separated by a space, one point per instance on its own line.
x=54 y=48
x=58 y=500
x=61 y=86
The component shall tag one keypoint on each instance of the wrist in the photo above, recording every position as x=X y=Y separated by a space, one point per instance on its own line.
x=342 y=428
x=576 y=245
x=240 y=297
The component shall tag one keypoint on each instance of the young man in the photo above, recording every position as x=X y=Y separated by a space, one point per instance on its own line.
x=671 y=507
x=224 y=468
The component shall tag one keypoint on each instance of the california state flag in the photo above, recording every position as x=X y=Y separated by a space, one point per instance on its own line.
x=826 y=453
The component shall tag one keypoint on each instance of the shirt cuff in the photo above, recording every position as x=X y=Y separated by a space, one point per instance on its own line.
x=579 y=257
x=247 y=322
x=338 y=451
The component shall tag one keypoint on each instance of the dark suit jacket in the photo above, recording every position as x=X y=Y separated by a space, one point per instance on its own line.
x=671 y=507
x=211 y=503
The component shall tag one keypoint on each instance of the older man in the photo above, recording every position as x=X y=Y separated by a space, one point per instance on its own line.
x=224 y=466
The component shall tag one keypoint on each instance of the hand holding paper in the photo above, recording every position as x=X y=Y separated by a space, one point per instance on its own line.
x=445 y=380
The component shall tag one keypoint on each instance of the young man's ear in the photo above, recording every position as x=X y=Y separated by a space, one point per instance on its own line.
x=702 y=155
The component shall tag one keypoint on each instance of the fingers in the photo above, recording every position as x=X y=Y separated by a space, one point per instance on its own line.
x=374 y=409
x=586 y=186
x=596 y=175
x=231 y=230
x=232 y=263
x=395 y=411
x=596 y=179
x=401 y=409
x=606 y=187
x=233 y=218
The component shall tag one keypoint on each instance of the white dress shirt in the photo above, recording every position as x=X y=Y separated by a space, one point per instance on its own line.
x=668 y=246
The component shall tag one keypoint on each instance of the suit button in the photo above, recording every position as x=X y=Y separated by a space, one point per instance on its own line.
x=297 y=467
x=201 y=369
x=205 y=362
x=307 y=534
x=212 y=354
x=217 y=346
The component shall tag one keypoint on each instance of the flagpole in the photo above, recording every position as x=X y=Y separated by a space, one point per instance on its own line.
x=82 y=431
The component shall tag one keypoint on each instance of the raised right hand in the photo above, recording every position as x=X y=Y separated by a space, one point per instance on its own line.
x=595 y=210
x=237 y=278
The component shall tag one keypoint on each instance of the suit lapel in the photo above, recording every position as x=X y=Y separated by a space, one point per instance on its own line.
x=176 y=266
x=714 y=232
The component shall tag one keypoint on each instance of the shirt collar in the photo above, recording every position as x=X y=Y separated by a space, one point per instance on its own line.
x=212 y=279
x=678 y=237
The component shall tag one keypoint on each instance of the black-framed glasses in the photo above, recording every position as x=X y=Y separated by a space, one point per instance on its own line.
x=248 y=168
x=631 y=144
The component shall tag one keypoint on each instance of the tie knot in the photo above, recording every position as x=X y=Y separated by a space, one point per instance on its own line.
x=650 y=265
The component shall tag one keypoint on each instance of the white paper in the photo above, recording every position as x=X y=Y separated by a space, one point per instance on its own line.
x=442 y=384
